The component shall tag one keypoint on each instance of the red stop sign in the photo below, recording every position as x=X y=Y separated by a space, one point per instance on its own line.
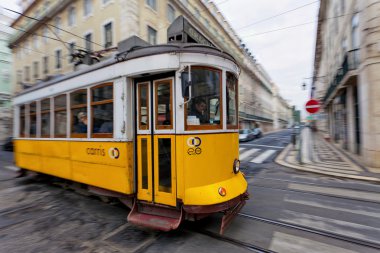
x=312 y=106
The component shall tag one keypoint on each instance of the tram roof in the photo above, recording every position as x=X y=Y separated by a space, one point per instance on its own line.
x=133 y=53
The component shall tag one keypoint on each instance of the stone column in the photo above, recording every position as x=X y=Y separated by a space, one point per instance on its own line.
x=350 y=117
x=369 y=82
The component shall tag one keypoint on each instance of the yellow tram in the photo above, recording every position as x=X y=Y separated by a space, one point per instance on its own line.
x=155 y=126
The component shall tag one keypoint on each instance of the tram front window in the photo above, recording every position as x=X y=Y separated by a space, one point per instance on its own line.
x=204 y=109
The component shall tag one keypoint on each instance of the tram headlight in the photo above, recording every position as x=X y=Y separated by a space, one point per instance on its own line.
x=236 y=167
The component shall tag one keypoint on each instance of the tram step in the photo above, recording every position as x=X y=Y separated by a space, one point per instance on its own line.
x=159 y=217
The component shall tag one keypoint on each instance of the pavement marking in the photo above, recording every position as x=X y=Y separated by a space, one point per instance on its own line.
x=332 y=225
x=12 y=168
x=287 y=243
x=262 y=145
x=242 y=149
x=248 y=153
x=279 y=138
x=337 y=192
x=350 y=171
x=261 y=158
x=341 y=166
x=330 y=206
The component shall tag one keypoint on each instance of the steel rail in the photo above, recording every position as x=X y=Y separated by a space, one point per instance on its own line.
x=345 y=238
x=242 y=244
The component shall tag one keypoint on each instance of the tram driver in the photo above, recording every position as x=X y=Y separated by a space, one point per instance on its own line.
x=199 y=110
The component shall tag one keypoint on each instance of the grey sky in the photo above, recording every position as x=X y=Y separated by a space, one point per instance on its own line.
x=287 y=55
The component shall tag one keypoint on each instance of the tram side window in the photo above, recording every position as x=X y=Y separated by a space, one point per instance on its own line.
x=102 y=111
x=232 y=99
x=204 y=110
x=60 y=116
x=79 y=119
x=45 y=118
x=33 y=119
x=22 y=121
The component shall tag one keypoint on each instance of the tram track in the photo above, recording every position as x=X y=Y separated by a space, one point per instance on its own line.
x=219 y=237
x=310 y=230
x=317 y=193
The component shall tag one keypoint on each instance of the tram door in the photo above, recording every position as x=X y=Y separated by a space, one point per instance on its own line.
x=156 y=141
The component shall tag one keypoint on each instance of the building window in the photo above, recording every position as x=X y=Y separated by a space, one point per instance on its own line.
x=207 y=23
x=36 y=69
x=58 y=54
x=45 y=118
x=185 y=2
x=46 y=64
x=27 y=74
x=88 y=42
x=22 y=121
x=19 y=77
x=152 y=36
x=26 y=47
x=87 y=8
x=336 y=20
x=71 y=51
x=35 y=41
x=60 y=116
x=344 y=46
x=355 y=31
x=57 y=25
x=79 y=113
x=152 y=4
x=45 y=34
x=197 y=13
x=171 y=13
x=108 y=35
x=102 y=110
x=33 y=119
x=71 y=16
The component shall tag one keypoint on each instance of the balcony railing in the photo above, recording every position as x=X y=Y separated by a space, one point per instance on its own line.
x=350 y=62
x=255 y=117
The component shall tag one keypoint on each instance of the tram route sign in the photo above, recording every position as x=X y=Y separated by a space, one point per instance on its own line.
x=181 y=30
x=312 y=106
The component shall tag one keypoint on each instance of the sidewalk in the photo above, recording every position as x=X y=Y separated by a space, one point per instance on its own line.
x=319 y=156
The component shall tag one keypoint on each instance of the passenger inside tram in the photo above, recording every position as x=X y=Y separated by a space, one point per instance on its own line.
x=81 y=126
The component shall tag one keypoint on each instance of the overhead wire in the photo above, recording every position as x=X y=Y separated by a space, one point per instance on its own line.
x=293 y=26
x=54 y=26
x=43 y=36
x=193 y=15
x=275 y=16
x=37 y=51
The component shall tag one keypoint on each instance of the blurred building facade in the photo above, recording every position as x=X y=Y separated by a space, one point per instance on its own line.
x=5 y=78
x=39 y=52
x=282 y=112
x=347 y=76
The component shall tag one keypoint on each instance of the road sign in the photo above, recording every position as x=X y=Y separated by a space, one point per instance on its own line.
x=312 y=106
